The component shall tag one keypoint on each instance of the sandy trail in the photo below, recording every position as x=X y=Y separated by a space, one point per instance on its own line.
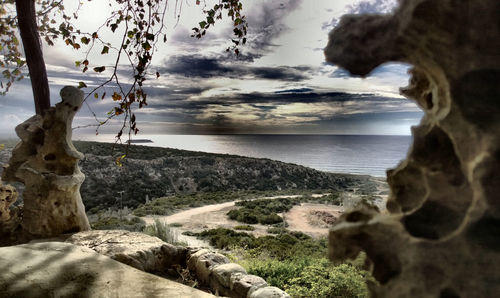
x=206 y=217
x=214 y=216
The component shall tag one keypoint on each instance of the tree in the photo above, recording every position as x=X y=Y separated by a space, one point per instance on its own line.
x=46 y=160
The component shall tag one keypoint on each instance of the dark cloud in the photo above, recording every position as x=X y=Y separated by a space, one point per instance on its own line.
x=206 y=67
x=266 y=23
x=298 y=90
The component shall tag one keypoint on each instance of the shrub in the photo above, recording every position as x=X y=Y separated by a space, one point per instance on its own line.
x=311 y=277
x=276 y=230
x=134 y=224
x=244 y=228
x=161 y=230
x=321 y=279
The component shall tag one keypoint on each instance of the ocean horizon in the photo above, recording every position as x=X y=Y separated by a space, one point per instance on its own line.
x=349 y=154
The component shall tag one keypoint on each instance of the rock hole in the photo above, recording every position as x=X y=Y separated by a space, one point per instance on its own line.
x=356 y=216
x=432 y=221
x=486 y=233
x=50 y=157
x=428 y=101
x=75 y=109
x=57 y=204
x=449 y=293
x=407 y=186
x=436 y=152
x=72 y=230
x=386 y=267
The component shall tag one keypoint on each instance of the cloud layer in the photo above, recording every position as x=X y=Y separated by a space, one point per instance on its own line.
x=280 y=84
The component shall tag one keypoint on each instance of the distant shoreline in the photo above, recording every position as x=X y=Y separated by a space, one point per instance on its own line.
x=139 y=141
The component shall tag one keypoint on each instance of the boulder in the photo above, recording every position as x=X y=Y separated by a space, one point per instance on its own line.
x=57 y=269
x=205 y=264
x=268 y=292
x=242 y=284
x=441 y=236
x=224 y=272
x=144 y=252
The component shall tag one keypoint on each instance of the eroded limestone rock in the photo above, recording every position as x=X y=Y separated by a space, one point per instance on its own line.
x=46 y=162
x=56 y=269
x=442 y=236
x=144 y=252
x=9 y=218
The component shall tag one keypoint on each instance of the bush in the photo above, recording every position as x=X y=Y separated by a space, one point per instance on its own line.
x=276 y=230
x=321 y=279
x=244 y=228
x=134 y=224
x=161 y=230
x=311 y=277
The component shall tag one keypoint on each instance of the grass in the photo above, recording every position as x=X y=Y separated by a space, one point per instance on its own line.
x=163 y=231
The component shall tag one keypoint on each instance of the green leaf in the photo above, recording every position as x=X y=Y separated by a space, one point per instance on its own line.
x=105 y=50
x=85 y=40
x=78 y=63
x=96 y=96
x=99 y=69
x=82 y=85
x=146 y=46
x=203 y=24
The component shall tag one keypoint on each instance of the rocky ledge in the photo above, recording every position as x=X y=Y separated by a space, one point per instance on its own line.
x=56 y=269
x=151 y=254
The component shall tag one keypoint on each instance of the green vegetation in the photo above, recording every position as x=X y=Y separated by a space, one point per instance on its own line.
x=170 y=204
x=244 y=228
x=134 y=224
x=312 y=277
x=163 y=231
x=263 y=211
x=138 y=151
x=167 y=205
x=294 y=262
x=154 y=172
x=276 y=230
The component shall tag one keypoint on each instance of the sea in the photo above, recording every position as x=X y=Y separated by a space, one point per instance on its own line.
x=351 y=154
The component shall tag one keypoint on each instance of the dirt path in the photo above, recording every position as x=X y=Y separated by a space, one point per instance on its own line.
x=206 y=217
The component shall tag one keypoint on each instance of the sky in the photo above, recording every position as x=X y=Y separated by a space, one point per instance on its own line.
x=280 y=84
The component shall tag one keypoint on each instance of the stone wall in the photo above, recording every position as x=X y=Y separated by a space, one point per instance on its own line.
x=442 y=236
x=146 y=253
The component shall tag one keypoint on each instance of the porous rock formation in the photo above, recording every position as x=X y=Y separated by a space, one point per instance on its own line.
x=9 y=218
x=442 y=236
x=46 y=162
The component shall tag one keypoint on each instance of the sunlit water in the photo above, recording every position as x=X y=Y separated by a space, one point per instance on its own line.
x=355 y=154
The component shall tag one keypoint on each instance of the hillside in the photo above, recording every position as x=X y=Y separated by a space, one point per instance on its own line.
x=150 y=172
